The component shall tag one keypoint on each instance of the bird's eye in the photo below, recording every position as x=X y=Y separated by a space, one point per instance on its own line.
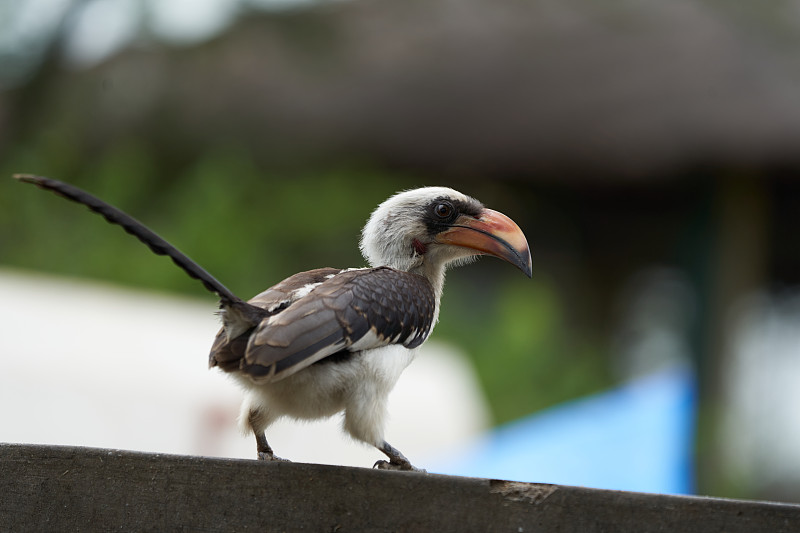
x=443 y=210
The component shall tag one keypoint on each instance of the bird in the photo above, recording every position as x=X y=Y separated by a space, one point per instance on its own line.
x=332 y=340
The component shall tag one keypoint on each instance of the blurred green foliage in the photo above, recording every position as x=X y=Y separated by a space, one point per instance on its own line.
x=251 y=227
x=520 y=344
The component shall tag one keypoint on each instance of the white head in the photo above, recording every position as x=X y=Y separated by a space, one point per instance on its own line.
x=426 y=230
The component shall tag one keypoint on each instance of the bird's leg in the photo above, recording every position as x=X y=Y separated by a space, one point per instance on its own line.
x=397 y=461
x=263 y=448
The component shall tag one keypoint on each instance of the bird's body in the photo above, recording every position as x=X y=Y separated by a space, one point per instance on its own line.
x=337 y=340
x=358 y=386
x=356 y=381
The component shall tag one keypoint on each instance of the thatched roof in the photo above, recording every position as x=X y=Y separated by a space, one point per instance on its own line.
x=550 y=87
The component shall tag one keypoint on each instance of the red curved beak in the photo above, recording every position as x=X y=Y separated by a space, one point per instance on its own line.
x=491 y=233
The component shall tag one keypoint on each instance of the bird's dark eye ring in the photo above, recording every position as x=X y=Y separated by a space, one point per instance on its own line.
x=443 y=210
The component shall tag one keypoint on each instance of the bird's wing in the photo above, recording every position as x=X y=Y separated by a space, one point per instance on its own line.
x=228 y=355
x=351 y=311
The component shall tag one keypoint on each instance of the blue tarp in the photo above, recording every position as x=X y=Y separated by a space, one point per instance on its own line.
x=638 y=437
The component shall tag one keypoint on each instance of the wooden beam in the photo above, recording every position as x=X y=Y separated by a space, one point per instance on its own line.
x=53 y=488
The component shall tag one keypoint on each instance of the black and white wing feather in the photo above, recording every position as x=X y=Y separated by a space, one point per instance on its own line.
x=336 y=311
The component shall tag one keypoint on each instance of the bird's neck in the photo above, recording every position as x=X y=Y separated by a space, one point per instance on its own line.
x=435 y=275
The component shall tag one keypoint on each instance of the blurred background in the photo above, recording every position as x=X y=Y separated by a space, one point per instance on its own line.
x=648 y=150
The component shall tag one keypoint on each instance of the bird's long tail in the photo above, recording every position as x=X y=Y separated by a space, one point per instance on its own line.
x=140 y=231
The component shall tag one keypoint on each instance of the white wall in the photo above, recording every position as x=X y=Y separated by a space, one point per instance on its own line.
x=94 y=364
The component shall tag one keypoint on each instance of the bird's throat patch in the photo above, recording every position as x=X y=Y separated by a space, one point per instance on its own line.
x=419 y=247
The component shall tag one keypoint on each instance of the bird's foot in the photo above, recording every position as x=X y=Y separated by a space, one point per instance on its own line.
x=268 y=456
x=397 y=461
x=402 y=466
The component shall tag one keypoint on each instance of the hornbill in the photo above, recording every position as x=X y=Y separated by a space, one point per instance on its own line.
x=332 y=340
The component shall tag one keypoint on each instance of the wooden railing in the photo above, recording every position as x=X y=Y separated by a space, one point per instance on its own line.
x=55 y=488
